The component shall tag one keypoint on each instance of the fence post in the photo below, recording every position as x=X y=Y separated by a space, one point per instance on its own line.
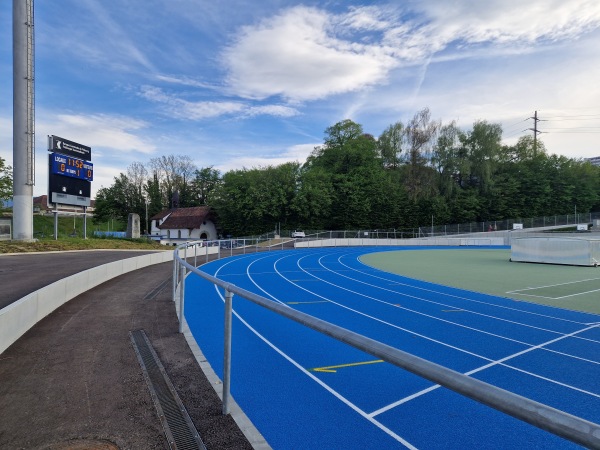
x=227 y=352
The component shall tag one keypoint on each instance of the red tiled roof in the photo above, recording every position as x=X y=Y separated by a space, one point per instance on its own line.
x=162 y=214
x=186 y=218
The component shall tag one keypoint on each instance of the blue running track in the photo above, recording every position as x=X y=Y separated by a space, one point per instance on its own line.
x=305 y=390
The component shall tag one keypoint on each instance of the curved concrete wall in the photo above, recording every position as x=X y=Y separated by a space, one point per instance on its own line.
x=20 y=316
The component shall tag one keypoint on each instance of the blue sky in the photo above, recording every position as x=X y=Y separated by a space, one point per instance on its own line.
x=239 y=84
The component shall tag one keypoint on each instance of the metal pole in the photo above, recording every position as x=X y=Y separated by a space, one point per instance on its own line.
x=195 y=255
x=174 y=273
x=181 y=297
x=85 y=222
x=227 y=352
x=23 y=120
x=55 y=212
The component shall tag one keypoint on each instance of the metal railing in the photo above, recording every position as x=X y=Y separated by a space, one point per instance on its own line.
x=560 y=423
x=566 y=220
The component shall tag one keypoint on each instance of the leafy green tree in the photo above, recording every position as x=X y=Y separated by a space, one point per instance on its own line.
x=6 y=181
x=251 y=201
x=447 y=159
x=119 y=200
x=390 y=145
x=484 y=151
x=314 y=197
x=206 y=179
x=153 y=195
x=352 y=163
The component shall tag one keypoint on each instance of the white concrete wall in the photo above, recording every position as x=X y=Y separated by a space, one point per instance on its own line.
x=20 y=316
x=408 y=242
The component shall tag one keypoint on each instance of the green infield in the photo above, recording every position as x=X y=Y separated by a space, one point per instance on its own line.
x=491 y=271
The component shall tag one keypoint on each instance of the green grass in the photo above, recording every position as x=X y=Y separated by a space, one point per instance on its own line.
x=70 y=237
x=70 y=226
x=492 y=272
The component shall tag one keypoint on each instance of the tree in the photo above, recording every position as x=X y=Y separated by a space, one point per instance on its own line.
x=390 y=145
x=119 y=200
x=153 y=195
x=204 y=183
x=483 y=148
x=446 y=158
x=174 y=173
x=419 y=137
x=6 y=181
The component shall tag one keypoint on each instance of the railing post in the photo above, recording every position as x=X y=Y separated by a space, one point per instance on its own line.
x=195 y=254
x=227 y=352
x=175 y=254
x=181 y=298
x=207 y=253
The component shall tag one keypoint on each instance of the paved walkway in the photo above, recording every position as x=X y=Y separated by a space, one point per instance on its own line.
x=73 y=381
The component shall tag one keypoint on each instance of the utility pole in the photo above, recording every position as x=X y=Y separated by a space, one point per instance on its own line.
x=535 y=132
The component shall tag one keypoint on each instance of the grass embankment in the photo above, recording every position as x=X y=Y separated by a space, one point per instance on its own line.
x=70 y=237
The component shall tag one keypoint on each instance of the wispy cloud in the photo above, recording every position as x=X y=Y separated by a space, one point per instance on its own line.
x=297 y=153
x=304 y=53
x=190 y=110
x=116 y=133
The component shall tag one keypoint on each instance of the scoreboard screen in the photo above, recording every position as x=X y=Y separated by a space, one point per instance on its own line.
x=71 y=167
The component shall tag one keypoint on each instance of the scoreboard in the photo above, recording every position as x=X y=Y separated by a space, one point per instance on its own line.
x=71 y=167
x=70 y=172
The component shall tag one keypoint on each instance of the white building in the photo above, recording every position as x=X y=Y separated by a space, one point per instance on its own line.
x=595 y=160
x=174 y=226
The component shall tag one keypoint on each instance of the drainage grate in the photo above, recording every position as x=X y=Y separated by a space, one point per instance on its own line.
x=154 y=292
x=179 y=429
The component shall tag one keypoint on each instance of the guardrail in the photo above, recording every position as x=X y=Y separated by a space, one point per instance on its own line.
x=560 y=423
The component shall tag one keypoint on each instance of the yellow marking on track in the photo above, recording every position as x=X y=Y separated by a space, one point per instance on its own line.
x=331 y=369
x=307 y=303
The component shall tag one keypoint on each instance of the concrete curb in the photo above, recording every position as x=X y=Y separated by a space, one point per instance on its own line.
x=18 y=317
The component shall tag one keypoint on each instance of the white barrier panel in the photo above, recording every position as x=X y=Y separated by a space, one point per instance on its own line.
x=20 y=316
x=359 y=242
x=556 y=250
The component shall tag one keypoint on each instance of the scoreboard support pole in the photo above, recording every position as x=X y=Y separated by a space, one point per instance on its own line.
x=55 y=212
x=85 y=222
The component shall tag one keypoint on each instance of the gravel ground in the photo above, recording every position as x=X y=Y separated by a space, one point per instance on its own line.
x=73 y=380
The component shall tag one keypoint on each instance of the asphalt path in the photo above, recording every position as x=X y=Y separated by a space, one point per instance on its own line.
x=23 y=273
x=73 y=380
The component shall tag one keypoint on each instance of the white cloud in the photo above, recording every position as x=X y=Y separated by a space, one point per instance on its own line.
x=294 y=153
x=502 y=21
x=298 y=56
x=305 y=53
x=185 y=109
x=272 y=110
x=98 y=130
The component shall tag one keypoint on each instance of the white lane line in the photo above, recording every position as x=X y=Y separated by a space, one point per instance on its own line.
x=551 y=285
x=466 y=299
x=318 y=381
x=453 y=306
x=445 y=294
x=431 y=317
x=487 y=366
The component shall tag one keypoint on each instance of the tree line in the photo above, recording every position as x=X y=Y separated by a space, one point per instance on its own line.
x=412 y=172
